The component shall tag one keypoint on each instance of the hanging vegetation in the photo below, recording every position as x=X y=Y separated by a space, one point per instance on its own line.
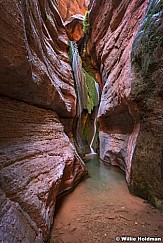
x=92 y=96
x=86 y=25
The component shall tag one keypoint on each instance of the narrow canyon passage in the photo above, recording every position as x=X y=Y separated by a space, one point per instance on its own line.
x=100 y=209
x=80 y=77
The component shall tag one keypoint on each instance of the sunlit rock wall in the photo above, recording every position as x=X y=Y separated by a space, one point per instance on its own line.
x=74 y=27
x=67 y=8
x=37 y=160
x=129 y=115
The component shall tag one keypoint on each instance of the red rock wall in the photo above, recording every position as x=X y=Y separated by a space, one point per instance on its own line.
x=146 y=178
x=67 y=8
x=110 y=45
x=74 y=27
x=124 y=108
x=33 y=56
x=37 y=160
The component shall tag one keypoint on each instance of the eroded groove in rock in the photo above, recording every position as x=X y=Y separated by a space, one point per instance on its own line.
x=74 y=27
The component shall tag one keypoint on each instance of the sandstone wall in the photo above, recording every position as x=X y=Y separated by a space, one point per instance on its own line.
x=34 y=61
x=37 y=160
x=67 y=8
x=110 y=45
x=74 y=27
x=129 y=118
x=147 y=90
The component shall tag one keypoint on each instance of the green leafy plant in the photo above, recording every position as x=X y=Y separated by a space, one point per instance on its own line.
x=86 y=25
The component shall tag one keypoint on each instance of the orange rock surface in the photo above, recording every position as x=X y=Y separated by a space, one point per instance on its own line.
x=67 y=8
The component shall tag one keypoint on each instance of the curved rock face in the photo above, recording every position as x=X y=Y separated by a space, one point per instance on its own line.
x=37 y=160
x=147 y=90
x=33 y=46
x=74 y=27
x=123 y=119
x=110 y=45
x=67 y=8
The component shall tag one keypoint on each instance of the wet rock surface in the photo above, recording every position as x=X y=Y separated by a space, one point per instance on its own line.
x=38 y=163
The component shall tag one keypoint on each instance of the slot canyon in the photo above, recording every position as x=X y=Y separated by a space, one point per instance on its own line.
x=81 y=121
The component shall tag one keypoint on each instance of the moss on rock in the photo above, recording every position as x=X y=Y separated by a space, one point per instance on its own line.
x=92 y=96
x=148 y=43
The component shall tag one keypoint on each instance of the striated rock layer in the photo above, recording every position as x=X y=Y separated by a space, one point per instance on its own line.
x=74 y=27
x=37 y=160
x=34 y=61
x=16 y=225
x=110 y=45
x=130 y=112
x=67 y=8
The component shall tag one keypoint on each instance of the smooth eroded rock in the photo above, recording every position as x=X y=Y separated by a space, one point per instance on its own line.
x=146 y=178
x=126 y=43
x=74 y=27
x=68 y=8
x=114 y=25
x=34 y=62
x=37 y=163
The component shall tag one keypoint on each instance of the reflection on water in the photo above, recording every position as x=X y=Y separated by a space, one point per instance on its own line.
x=103 y=179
